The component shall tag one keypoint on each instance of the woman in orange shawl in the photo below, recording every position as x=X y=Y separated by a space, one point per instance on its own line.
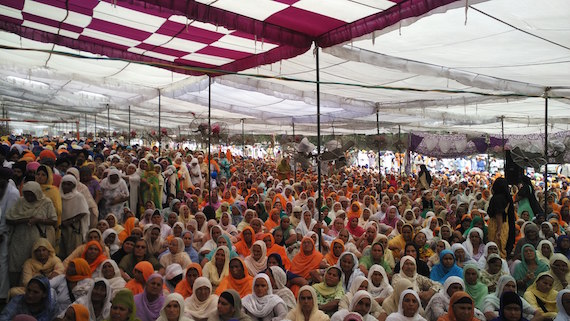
x=82 y=270
x=308 y=260
x=243 y=246
x=184 y=287
x=129 y=226
x=142 y=271
x=238 y=279
x=273 y=220
x=281 y=199
x=93 y=254
x=276 y=248
x=337 y=248
x=354 y=210
x=457 y=298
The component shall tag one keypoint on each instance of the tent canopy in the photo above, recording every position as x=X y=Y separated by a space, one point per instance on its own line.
x=421 y=65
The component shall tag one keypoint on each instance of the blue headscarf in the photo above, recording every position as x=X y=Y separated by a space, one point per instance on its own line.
x=18 y=304
x=558 y=249
x=440 y=273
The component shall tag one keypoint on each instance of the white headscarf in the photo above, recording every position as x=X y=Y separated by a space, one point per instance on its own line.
x=115 y=246
x=180 y=300
x=197 y=309
x=106 y=182
x=316 y=315
x=86 y=300
x=482 y=263
x=400 y=315
x=260 y=307
x=254 y=266
x=469 y=246
x=382 y=291
x=116 y=282
x=280 y=278
x=73 y=203
x=355 y=270
x=563 y=315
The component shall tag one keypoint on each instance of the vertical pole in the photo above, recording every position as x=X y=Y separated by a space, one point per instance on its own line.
x=294 y=162
x=242 y=145
x=129 y=135
x=95 y=131
x=86 y=126
x=77 y=128
x=545 y=150
x=401 y=160
x=379 y=152
x=319 y=199
x=159 y=125
x=209 y=137
x=108 y=121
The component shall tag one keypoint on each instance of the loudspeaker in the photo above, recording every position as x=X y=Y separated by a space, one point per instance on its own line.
x=513 y=172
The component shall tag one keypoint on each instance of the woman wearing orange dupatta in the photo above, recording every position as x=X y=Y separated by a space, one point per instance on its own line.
x=94 y=255
x=129 y=226
x=337 y=248
x=184 y=287
x=276 y=248
x=273 y=220
x=238 y=279
x=308 y=260
x=279 y=197
x=243 y=246
x=142 y=271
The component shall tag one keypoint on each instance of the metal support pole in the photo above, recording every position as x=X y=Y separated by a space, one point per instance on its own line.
x=77 y=128
x=242 y=145
x=86 y=126
x=209 y=138
x=294 y=162
x=108 y=121
x=319 y=199
x=159 y=125
x=401 y=160
x=95 y=131
x=546 y=151
x=129 y=135
x=379 y=152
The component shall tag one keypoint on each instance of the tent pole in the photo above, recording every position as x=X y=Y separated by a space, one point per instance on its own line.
x=379 y=152
x=108 y=121
x=503 y=136
x=95 y=131
x=319 y=199
x=242 y=145
x=401 y=160
x=77 y=127
x=209 y=137
x=159 y=124
x=546 y=150
x=294 y=162
x=129 y=135
x=85 y=125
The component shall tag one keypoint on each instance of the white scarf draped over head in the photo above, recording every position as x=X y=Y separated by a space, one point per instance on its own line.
x=106 y=182
x=384 y=289
x=260 y=307
x=400 y=315
x=254 y=266
x=180 y=300
x=24 y=209
x=197 y=309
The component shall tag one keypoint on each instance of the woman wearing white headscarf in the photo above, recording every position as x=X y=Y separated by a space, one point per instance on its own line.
x=307 y=309
x=348 y=264
x=173 y=309
x=439 y=303
x=412 y=310
x=563 y=310
x=262 y=304
x=257 y=260
x=115 y=192
x=462 y=258
x=474 y=244
x=134 y=179
x=113 y=244
x=360 y=303
x=278 y=279
x=360 y=284
x=490 y=248
x=425 y=286
x=97 y=301
x=74 y=216
x=176 y=254
x=202 y=303
x=378 y=290
x=111 y=272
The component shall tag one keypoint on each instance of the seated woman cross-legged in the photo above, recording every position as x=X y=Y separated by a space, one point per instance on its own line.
x=262 y=304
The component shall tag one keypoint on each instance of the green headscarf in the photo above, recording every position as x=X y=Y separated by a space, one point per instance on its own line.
x=477 y=291
x=477 y=219
x=522 y=269
x=125 y=297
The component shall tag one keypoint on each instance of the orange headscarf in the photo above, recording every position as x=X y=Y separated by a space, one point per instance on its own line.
x=183 y=287
x=280 y=250
x=81 y=312
x=82 y=270
x=241 y=247
x=129 y=226
x=270 y=223
x=147 y=270
x=330 y=257
x=302 y=263
x=243 y=286
x=450 y=316
x=93 y=265
x=350 y=214
x=281 y=199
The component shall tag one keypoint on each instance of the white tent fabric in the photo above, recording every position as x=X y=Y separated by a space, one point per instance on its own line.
x=510 y=51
